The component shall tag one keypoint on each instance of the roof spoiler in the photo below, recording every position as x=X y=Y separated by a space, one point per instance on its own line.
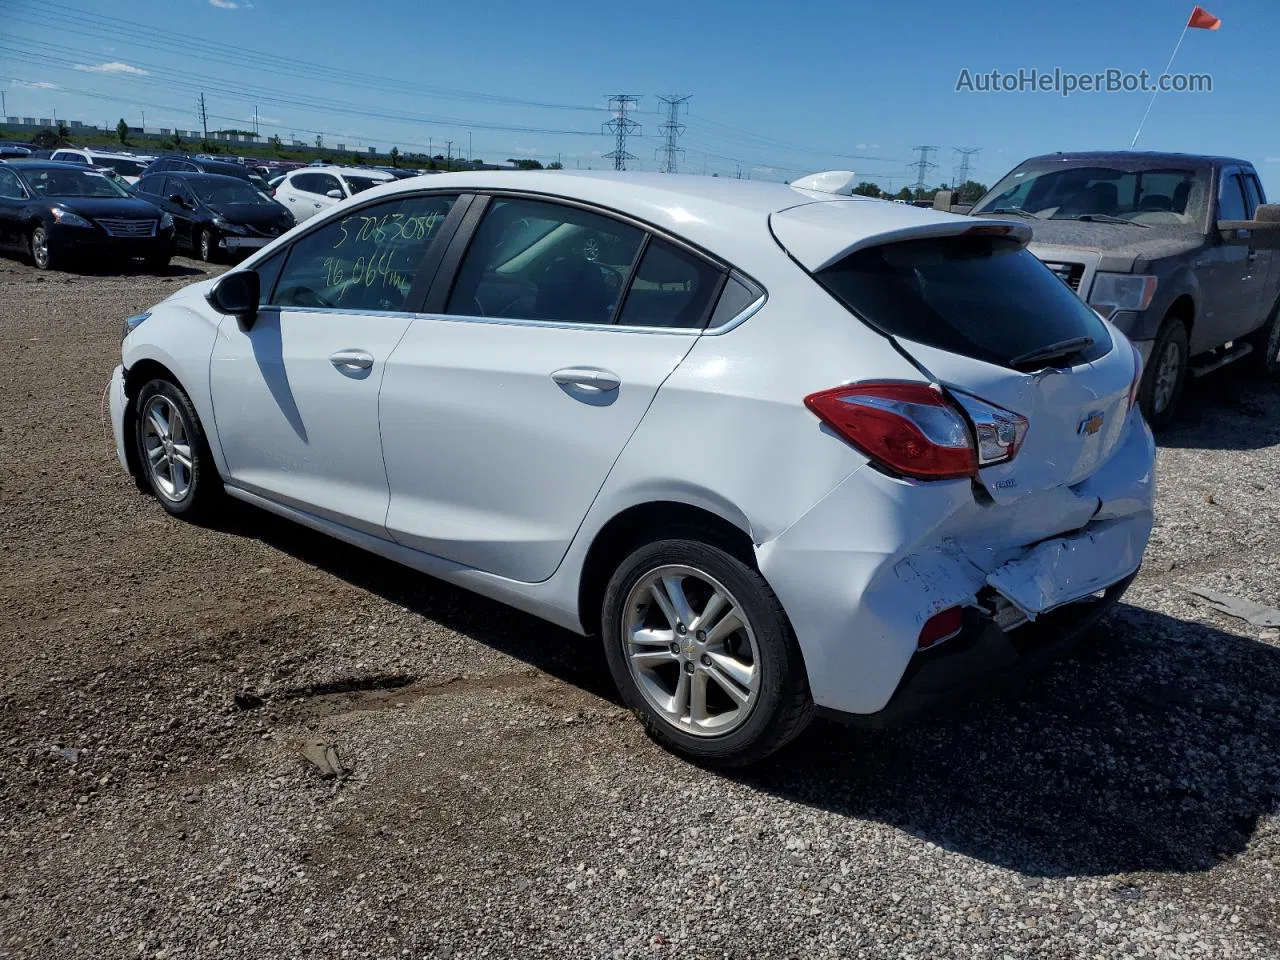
x=839 y=182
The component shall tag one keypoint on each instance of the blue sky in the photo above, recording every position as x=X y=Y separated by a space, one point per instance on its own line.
x=779 y=90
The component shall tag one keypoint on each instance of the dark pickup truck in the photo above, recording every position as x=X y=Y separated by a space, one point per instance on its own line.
x=1178 y=251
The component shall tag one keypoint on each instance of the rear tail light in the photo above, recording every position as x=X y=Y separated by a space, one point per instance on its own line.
x=1136 y=385
x=915 y=431
x=939 y=627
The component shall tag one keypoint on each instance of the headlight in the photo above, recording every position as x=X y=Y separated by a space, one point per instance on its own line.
x=1113 y=292
x=226 y=226
x=68 y=219
x=166 y=221
x=131 y=323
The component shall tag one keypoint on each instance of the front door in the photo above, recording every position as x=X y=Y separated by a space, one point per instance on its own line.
x=13 y=197
x=503 y=413
x=296 y=395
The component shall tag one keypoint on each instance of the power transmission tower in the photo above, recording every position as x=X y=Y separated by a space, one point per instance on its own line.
x=204 y=118
x=964 y=165
x=922 y=167
x=668 y=154
x=621 y=126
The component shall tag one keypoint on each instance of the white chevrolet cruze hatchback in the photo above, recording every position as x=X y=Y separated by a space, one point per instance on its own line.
x=783 y=451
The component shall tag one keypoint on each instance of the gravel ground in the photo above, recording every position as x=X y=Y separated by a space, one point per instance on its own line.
x=497 y=801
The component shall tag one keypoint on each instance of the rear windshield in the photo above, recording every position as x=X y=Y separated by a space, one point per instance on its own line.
x=980 y=296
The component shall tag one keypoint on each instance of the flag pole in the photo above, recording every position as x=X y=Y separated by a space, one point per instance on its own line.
x=1177 y=46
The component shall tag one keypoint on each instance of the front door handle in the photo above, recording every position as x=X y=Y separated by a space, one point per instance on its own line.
x=587 y=378
x=351 y=361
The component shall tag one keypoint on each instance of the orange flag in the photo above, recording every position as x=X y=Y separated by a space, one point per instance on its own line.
x=1202 y=19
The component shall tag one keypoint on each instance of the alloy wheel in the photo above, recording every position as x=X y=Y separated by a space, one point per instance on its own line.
x=167 y=447
x=40 y=247
x=691 y=650
x=1167 y=373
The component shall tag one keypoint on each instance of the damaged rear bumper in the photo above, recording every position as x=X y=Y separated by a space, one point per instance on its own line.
x=866 y=568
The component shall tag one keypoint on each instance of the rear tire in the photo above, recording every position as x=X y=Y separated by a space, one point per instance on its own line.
x=172 y=453
x=1266 y=345
x=712 y=690
x=1166 y=375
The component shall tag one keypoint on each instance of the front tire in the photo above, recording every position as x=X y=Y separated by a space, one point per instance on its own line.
x=207 y=246
x=172 y=452
x=1166 y=376
x=702 y=651
x=42 y=254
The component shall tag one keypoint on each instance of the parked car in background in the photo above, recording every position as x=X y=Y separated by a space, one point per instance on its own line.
x=308 y=191
x=1178 y=251
x=203 y=165
x=399 y=173
x=11 y=151
x=127 y=166
x=216 y=217
x=781 y=450
x=61 y=213
x=275 y=182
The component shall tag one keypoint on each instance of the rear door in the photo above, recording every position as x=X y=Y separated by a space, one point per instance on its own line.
x=504 y=408
x=974 y=309
x=1228 y=279
x=296 y=395
x=13 y=197
x=1262 y=263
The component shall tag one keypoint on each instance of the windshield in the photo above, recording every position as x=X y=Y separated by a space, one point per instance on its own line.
x=227 y=191
x=357 y=184
x=74 y=183
x=121 y=165
x=1157 y=197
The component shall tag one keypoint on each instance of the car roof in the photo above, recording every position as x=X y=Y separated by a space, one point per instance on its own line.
x=1144 y=157
x=729 y=217
x=197 y=175
x=22 y=164
x=333 y=168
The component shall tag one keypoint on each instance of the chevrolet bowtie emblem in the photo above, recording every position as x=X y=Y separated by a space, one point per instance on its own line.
x=1091 y=424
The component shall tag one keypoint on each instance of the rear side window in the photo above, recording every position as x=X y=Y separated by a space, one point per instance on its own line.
x=979 y=296
x=739 y=293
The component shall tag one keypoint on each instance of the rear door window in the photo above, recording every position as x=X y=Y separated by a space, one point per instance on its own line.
x=981 y=296
x=532 y=260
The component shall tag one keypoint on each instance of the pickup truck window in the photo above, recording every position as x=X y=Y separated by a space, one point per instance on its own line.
x=1161 y=197
x=1253 y=193
x=1231 y=201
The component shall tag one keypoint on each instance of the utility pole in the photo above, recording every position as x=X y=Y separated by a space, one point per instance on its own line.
x=449 y=154
x=144 y=121
x=4 y=111
x=468 y=146
x=204 y=118
x=621 y=126
x=668 y=154
x=922 y=167
x=255 y=121
x=964 y=165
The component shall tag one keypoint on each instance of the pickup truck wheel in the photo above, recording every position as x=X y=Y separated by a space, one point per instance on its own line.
x=1266 y=345
x=1166 y=374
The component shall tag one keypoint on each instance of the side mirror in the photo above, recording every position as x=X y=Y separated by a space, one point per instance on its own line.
x=1261 y=233
x=334 y=194
x=237 y=294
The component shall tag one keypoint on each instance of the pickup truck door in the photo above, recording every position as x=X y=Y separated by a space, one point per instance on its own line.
x=1232 y=275
x=1266 y=263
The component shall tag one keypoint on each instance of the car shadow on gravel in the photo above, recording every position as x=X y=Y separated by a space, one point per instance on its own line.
x=560 y=653
x=1154 y=749
x=1228 y=410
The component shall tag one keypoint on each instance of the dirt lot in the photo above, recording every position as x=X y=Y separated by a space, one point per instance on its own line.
x=501 y=803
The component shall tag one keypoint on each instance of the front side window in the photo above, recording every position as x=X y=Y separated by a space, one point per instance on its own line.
x=1231 y=204
x=672 y=288
x=10 y=186
x=75 y=183
x=366 y=260
x=150 y=186
x=531 y=260
x=64 y=156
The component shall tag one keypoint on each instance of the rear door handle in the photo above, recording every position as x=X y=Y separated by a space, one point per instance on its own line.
x=587 y=378
x=351 y=361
